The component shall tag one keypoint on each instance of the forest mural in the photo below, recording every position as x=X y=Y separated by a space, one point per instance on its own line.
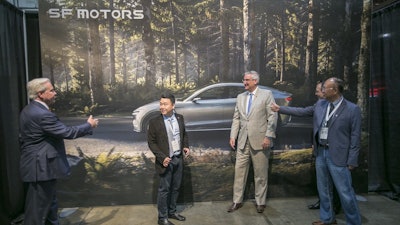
x=110 y=57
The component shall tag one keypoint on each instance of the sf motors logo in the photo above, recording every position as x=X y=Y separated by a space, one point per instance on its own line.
x=136 y=14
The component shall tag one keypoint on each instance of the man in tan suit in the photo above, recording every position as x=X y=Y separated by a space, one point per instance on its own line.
x=253 y=126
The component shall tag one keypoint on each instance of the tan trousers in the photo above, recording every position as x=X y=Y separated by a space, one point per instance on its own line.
x=260 y=166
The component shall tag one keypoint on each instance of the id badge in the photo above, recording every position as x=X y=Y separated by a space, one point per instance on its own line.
x=323 y=134
x=175 y=145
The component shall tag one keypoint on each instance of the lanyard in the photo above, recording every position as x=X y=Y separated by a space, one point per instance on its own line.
x=329 y=115
x=174 y=129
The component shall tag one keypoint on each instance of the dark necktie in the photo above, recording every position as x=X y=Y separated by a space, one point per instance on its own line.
x=332 y=106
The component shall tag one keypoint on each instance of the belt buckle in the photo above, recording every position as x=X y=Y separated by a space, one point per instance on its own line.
x=177 y=153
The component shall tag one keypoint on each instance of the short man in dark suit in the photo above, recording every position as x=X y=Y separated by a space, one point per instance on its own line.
x=168 y=140
x=43 y=156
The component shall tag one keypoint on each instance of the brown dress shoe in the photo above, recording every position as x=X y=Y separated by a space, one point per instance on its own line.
x=319 y=222
x=260 y=208
x=235 y=206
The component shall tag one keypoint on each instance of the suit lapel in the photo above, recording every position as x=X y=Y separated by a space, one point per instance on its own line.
x=338 y=112
x=242 y=101
x=180 y=123
x=256 y=97
x=161 y=125
x=321 y=116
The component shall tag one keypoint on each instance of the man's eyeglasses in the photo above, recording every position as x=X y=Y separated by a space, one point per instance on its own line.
x=247 y=80
x=325 y=88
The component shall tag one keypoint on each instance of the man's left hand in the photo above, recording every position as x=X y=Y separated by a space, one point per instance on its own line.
x=186 y=151
x=266 y=143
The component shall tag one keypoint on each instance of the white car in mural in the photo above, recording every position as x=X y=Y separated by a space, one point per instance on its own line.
x=207 y=109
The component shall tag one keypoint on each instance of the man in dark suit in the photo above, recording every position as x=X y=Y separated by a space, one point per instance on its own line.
x=43 y=156
x=336 y=139
x=299 y=111
x=168 y=140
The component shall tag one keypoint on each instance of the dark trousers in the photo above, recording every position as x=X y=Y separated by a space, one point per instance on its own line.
x=41 y=203
x=168 y=191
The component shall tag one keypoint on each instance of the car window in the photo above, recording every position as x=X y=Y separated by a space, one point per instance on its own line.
x=213 y=93
x=221 y=92
x=234 y=91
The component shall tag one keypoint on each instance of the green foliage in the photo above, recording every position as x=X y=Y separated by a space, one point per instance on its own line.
x=90 y=109
x=294 y=167
x=179 y=89
x=297 y=156
x=71 y=103
x=105 y=166
x=207 y=156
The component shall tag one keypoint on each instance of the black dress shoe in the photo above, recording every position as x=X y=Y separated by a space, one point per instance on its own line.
x=235 y=206
x=164 y=222
x=314 y=206
x=260 y=208
x=177 y=217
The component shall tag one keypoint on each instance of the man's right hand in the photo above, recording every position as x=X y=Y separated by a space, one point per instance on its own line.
x=232 y=142
x=274 y=107
x=93 y=122
x=166 y=161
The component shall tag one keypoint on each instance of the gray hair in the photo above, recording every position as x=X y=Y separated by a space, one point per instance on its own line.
x=254 y=75
x=36 y=86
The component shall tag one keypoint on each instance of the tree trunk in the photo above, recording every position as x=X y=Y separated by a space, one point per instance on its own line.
x=347 y=43
x=283 y=46
x=148 y=41
x=95 y=68
x=112 y=46
x=175 y=41
x=311 y=66
x=310 y=71
x=263 y=45
x=124 y=67
x=224 y=27
x=363 y=62
x=184 y=64
x=248 y=35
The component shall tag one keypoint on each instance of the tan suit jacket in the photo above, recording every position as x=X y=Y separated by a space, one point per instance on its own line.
x=259 y=123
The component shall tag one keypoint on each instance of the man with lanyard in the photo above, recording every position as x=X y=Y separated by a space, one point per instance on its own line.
x=308 y=112
x=337 y=132
x=336 y=142
x=168 y=140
